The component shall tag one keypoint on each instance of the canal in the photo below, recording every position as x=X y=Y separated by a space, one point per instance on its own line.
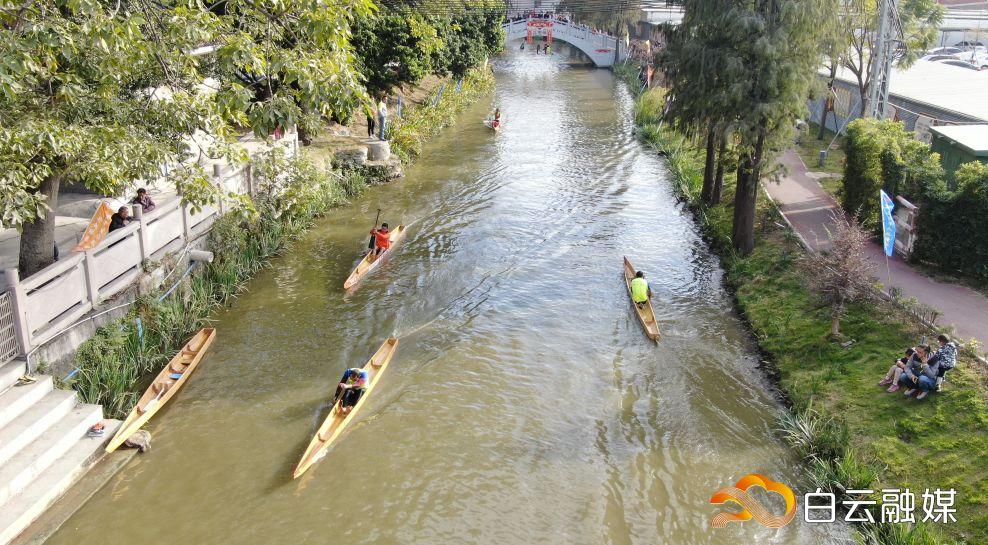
x=524 y=404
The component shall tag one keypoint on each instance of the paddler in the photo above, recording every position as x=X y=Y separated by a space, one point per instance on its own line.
x=640 y=292
x=382 y=240
x=350 y=389
x=497 y=118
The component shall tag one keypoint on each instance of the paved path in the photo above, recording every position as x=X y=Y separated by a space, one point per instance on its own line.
x=808 y=207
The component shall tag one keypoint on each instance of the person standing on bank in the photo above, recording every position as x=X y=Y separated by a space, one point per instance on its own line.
x=371 y=114
x=382 y=116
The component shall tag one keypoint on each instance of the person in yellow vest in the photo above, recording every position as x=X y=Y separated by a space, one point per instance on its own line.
x=640 y=292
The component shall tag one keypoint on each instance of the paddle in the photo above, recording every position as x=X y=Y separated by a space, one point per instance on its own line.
x=370 y=244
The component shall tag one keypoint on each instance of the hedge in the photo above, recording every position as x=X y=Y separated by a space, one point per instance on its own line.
x=953 y=225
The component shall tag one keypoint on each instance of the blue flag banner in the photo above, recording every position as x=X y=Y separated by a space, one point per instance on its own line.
x=888 y=223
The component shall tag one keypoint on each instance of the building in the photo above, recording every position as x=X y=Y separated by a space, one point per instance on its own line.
x=926 y=95
x=958 y=145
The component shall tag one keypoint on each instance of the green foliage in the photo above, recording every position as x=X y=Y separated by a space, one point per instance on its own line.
x=394 y=49
x=897 y=534
x=418 y=123
x=469 y=37
x=883 y=155
x=748 y=66
x=952 y=226
x=649 y=107
x=102 y=94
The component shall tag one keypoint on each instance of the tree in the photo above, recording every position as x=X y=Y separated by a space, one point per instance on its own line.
x=921 y=21
x=93 y=94
x=470 y=35
x=289 y=62
x=702 y=68
x=394 y=49
x=779 y=42
x=843 y=274
x=102 y=94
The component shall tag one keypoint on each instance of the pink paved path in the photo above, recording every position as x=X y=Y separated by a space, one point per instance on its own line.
x=808 y=207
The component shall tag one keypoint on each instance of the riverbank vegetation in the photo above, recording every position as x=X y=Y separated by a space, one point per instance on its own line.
x=852 y=434
x=290 y=194
x=439 y=110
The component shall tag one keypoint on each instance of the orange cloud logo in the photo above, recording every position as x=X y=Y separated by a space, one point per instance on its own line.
x=750 y=507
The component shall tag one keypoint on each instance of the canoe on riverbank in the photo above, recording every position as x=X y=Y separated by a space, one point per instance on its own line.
x=366 y=265
x=645 y=313
x=335 y=422
x=165 y=385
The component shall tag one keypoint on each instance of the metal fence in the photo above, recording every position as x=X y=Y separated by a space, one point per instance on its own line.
x=8 y=337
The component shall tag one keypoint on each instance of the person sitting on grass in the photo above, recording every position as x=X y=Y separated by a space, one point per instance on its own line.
x=945 y=358
x=909 y=377
x=926 y=377
x=895 y=372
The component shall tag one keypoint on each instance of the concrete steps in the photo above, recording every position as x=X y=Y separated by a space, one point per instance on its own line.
x=34 y=421
x=10 y=372
x=17 y=399
x=44 y=449
x=27 y=506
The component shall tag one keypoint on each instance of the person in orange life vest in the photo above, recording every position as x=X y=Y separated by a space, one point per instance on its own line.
x=382 y=240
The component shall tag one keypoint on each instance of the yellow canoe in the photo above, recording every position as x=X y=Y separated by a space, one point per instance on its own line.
x=366 y=265
x=645 y=313
x=335 y=422
x=165 y=385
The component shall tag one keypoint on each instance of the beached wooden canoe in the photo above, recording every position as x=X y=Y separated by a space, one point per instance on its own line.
x=645 y=314
x=335 y=422
x=165 y=385
x=366 y=265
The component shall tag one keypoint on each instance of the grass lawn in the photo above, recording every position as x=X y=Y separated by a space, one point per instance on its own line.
x=939 y=442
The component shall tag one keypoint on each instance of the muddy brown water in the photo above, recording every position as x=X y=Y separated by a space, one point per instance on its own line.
x=524 y=404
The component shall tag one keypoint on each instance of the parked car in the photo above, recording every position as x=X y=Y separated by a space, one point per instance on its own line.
x=977 y=59
x=967 y=45
x=940 y=57
x=944 y=51
x=959 y=62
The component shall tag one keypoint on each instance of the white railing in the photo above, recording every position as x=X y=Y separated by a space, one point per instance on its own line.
x=54 y=298
x=9 y=347
x=58 y=295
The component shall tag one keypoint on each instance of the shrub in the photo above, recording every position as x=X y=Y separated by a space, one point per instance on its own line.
x=953 y=232
x=883 y=155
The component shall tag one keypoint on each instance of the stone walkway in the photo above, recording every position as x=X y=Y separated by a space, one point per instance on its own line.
x=808 y=207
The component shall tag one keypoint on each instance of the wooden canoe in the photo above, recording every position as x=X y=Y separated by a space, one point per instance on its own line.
x=335 y=422
x=366 y=265
x=645 y=314
x=165 y=385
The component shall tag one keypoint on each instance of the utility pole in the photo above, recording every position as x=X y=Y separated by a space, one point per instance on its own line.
x=888 y=40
